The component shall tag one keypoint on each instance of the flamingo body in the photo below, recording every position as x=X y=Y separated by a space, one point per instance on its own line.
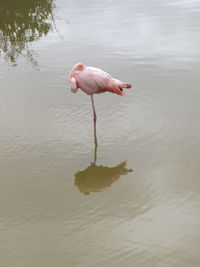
x=94 y=81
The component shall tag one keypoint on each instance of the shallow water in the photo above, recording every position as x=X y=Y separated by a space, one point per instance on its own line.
x=138 y=205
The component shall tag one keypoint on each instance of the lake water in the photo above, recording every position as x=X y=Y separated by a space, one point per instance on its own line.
x=139 y=203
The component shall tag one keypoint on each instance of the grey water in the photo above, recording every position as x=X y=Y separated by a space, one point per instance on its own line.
x=134 y=199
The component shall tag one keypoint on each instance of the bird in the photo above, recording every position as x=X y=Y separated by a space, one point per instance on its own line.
x=92 y=80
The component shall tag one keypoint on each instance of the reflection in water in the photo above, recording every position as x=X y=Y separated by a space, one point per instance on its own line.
x=97 y=178
x=22 y=22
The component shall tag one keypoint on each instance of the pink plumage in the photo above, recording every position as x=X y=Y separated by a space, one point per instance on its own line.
x=94 y=81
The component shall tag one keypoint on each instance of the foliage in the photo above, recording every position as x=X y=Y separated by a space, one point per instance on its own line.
x=21 y=22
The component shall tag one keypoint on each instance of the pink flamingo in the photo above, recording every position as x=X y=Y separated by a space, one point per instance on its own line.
x=94 y=81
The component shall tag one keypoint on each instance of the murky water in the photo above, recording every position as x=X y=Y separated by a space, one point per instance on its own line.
x=138 y=205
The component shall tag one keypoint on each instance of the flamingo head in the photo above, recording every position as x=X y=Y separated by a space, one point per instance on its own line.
x=79 y=67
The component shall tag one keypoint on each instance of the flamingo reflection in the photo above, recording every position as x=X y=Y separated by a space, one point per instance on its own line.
x=96 y=178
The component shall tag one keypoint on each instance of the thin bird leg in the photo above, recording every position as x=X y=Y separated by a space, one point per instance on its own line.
x=93 y=108
x=95 y=150
x=95 y=133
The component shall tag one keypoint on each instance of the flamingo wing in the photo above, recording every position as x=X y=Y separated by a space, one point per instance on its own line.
x=93 y=80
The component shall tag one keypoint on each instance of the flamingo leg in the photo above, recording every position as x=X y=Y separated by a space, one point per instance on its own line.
x=95 y=132
x=93 y=108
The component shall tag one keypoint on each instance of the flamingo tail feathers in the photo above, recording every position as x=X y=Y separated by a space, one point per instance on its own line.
x=118 y=87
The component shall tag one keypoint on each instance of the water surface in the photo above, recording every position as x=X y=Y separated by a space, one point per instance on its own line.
x=138 y=204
